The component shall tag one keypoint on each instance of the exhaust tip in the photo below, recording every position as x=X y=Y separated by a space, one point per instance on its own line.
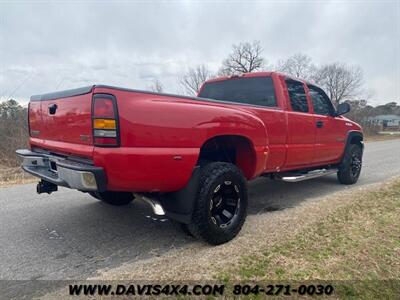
x=154 y=204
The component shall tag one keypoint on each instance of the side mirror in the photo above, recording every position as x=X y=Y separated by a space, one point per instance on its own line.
x=342 y=109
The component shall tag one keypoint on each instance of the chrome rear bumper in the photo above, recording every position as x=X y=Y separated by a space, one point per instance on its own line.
x=63 y=172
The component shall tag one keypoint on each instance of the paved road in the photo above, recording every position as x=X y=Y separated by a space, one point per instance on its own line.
x=69 y=235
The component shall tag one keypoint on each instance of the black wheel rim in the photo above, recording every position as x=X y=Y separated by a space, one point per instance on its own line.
x=224 y=204
x=355 y=166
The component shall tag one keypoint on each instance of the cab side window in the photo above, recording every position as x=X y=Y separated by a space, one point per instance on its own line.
x=321 y=103
x=297 y=95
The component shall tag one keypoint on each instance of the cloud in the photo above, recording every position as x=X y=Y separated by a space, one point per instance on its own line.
x=45 y=46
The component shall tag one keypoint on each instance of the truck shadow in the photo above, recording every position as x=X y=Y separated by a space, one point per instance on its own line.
x=267 y=195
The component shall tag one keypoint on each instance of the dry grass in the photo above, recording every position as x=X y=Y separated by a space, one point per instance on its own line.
x=359 y=241
x=14 y=175
x=381 y=137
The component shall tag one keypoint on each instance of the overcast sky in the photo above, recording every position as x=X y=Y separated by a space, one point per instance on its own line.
x=49 y=46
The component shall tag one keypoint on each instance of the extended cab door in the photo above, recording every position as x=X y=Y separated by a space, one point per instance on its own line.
x=301 y=127
x=330 y=137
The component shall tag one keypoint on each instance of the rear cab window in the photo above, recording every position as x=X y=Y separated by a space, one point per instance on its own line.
x=246 y=90
x=297 y=95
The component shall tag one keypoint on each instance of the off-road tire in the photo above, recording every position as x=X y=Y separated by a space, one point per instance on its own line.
x=350 y=168
x=203 y=224
x=113 y=198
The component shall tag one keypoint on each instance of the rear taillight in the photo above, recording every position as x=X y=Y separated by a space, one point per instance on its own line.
x=29 y=121
x=105 y=121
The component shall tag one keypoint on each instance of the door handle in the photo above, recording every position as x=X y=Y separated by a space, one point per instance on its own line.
x=320 y=124
x=52 y=109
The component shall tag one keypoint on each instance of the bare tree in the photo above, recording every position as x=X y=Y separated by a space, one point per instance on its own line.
x=156 y=86
x=359 y=111
x=192 y=80
x=298 y=65
x=245 y=58
x=340 y=81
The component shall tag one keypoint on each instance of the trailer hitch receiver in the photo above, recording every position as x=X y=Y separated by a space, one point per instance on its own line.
x=46 y=187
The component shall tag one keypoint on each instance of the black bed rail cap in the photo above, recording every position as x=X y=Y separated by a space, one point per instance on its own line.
x=63 y=94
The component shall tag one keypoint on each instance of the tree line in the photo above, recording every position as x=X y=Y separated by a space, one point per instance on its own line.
x=13 y=131
x=341 y=81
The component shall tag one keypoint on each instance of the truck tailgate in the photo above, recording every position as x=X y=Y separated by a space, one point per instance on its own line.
x=61 y=119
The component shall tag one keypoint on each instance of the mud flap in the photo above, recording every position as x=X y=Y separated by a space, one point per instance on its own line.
x=179 y=205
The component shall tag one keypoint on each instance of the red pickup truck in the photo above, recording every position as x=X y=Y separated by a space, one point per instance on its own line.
x=190 y=157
